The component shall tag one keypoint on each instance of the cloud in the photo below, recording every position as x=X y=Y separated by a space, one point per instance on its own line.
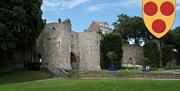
x=133 y=2
x=55 y=5
x=96 y=7
x=75 y=3
x=125 y=3
x=93 y=8
x=178 y=1
x=177 y=7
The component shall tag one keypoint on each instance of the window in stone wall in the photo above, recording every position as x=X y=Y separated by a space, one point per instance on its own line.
x=91 y=53
x=49 y=38
x=54 y=28
x=72 y=36
x=130 y=58
x=40 y=58
x=59 y=43
x=72 y=46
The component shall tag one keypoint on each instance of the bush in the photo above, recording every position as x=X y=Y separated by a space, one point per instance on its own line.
x=111 y=42
x=154 y=69
x=172 y=65
x=167 y=54
x=151 y=54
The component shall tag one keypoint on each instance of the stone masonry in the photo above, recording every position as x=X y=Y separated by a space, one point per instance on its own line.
x=132 y=54
x=59 y=47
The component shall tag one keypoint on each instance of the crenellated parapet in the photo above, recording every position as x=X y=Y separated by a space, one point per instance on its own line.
x=65 y=25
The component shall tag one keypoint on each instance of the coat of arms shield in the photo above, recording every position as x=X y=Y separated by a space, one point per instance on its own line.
x=159 y=16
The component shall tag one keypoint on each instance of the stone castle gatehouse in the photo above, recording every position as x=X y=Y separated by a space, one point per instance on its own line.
x=59 y=47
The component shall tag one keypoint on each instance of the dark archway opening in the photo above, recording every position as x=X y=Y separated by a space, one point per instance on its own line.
x=35 y=65
x=74 y=61
x=39 y=58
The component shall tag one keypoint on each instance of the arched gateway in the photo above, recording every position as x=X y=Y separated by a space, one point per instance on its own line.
x=62 y=48
x=74 y=61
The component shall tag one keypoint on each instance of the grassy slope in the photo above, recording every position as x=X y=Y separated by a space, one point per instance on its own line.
x=94 y=85
x=24 y=75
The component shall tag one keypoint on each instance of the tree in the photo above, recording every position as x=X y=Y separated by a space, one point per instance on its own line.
x=173 y=38
x=152 y=54
x=20 y=24
x=112 y=56
x=167 y=54
x=132 y=28
x=111 y=42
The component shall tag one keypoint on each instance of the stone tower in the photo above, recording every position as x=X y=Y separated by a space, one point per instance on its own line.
x=60 y=47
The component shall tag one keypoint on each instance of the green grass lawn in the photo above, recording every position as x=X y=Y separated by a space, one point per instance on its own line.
x=24 y=75
x=8 y=82
x=94 y=85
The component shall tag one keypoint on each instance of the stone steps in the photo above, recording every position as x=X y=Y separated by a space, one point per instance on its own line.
x=60 y=72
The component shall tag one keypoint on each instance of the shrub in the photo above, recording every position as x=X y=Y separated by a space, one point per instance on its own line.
x=111 y=42
x=171 y=65
x=151 y=54
x=167 y=54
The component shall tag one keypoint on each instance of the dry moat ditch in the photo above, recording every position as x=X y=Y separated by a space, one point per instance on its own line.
x=133 y=75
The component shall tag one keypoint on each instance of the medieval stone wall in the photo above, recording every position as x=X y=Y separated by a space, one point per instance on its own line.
x=57 y=43
x=132 y=54
x=62 y=48
x=53 y=45
x=89 y=50
x=75 y=43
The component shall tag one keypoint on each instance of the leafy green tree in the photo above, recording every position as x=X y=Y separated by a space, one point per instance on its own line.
x=167 y=54
x=173 y=38
x=20 y=24
x=111 y=42
x=112 y=56
x=132 y=28
x=152 y=54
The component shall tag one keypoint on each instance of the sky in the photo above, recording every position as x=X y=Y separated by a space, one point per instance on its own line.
x=83 y=12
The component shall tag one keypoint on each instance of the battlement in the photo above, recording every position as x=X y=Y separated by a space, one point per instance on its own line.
x=54 y=26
